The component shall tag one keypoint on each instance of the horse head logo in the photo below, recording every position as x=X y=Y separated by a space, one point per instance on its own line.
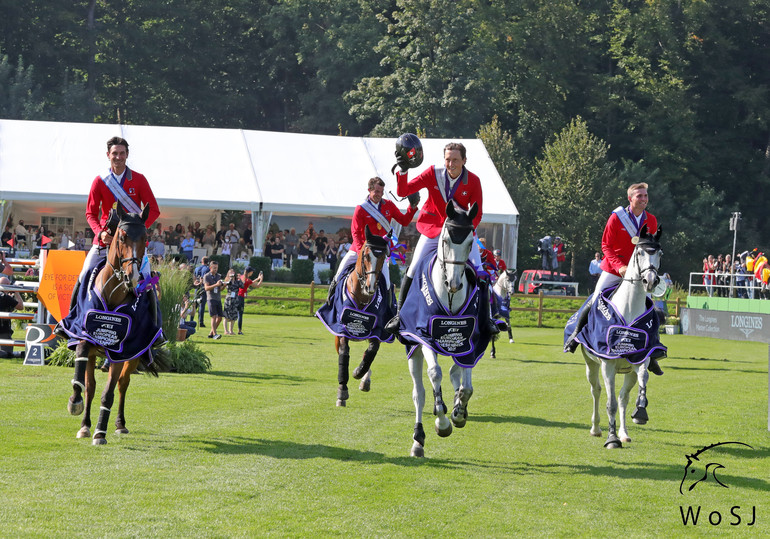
x=691 y=469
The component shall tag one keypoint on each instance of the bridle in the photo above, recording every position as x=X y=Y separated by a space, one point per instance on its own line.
x=363 y=275
x=455 y=231
x=651 y=267
x=118 y=272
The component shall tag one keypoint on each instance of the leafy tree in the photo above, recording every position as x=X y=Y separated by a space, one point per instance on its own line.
x=435 y=81
x=20 y=97
x=574 y=189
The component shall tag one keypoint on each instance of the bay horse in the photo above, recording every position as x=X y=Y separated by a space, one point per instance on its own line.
x=629 y=301
x=453 y=282
x=503 y=289
x=361 y=284
x=116 y=283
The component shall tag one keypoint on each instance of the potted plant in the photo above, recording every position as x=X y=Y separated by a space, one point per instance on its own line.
x=672 y=325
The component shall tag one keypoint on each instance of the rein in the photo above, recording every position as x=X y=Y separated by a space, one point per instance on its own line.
x=118 y=273
x=642 y=271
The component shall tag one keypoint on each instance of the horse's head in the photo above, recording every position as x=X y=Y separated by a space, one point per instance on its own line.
x=510 y=280
x=371 y=259
x=646 y=258
x=127 y=247
x=693 y=474
x=455 y=244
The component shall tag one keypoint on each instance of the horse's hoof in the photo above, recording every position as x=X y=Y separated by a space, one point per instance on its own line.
x=493 y=355
x=100 y=441
x=613 y=442
x=359 y=373
x=365 y=385
x=597 y=432
x=121 y=430
x=342 y=394
x=445 y=430
x=457 y=419
x=417 y=450
x=341 y=403
x=510 y=341
x=84 y=432
x=640 y=416
x=75 y=408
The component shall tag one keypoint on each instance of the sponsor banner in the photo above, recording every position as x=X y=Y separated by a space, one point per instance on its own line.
x=736 y=326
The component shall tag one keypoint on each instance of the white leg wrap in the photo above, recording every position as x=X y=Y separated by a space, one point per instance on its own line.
x=75 y=382
x=97 y=431
x=104 y=409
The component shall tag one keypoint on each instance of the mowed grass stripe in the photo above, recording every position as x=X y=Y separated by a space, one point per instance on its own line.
x=257 y=446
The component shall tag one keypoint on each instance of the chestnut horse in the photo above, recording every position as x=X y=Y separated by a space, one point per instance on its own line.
x=116 y=283
x=361 y=284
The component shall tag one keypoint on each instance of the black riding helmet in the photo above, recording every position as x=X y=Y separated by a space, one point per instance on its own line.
x=409 y=149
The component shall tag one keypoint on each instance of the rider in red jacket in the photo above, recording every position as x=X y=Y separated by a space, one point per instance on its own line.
x=376 y=213
x=618 y=241
x=454 y=182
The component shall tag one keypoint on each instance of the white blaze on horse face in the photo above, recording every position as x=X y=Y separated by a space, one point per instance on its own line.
x=649 y=262
x=372 y=273
x=454 y=252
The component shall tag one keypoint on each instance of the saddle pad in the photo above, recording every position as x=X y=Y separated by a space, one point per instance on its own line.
x=425 y=321
x=344 y=318
x=609 y=336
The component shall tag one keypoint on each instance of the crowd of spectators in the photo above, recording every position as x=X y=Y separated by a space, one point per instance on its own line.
x=285 y=246
x=746 y=277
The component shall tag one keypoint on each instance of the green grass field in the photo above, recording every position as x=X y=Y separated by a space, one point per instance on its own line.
x=257 y=447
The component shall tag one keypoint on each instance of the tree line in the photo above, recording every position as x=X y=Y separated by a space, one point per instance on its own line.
x=574 y=99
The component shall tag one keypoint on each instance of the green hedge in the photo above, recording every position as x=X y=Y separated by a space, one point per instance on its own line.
x=263 y=264
x=395 y=273
x=302 y=271
x=223 y=261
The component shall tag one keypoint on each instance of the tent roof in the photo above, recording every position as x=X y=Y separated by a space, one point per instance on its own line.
x=220 y=169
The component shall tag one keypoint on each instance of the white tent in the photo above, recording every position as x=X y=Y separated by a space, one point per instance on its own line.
x=46 y=168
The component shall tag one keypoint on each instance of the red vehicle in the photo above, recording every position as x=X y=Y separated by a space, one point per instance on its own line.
x=560 y=284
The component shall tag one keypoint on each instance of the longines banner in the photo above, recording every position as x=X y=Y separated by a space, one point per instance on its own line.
x=726 y=325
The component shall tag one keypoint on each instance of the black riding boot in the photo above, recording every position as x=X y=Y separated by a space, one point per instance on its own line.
x=489 y=327
x=392 y=326
x=571 y=344
x=332 y=288
x=653 y=366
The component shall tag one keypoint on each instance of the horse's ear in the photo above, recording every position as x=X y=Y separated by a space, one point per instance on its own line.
x=145 y=213
x=643 y=231
x=473 y=211
x=367 y=233
x=657 y=234
x=451 y=212
x=120 y=212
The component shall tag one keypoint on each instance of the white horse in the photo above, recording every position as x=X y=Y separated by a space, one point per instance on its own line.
x=629 y=300
x=451 y=285
x=504 y=288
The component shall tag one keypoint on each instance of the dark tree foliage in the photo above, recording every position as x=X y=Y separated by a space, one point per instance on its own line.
x=676 y=91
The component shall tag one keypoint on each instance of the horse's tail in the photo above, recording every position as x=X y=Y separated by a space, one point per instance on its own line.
x=157 y=360
x=337 y=344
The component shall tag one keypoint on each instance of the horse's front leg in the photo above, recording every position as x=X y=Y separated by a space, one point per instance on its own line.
x=75 y=405
x=510 y=330
x=418 y=397
x=640 y=413
x=90 y=391
x=108 y=397
x=493 y=353
x=443 y=425
x=461 y=381
x=592 y=373
x=343 y=364
x=123 y=382
x=629 y=381
x=608 y=373
x=363 y=371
